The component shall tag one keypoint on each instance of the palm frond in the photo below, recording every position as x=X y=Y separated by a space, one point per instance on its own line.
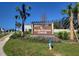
x=18 y=24
x=64 y=12
x=28 y=14
x=75 y=10
x=17 y=8
x=28 y=8
x=70 y=6
x=77 y=4
x=17 y=17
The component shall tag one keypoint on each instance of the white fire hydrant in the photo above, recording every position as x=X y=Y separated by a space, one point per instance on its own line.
x=49 y=44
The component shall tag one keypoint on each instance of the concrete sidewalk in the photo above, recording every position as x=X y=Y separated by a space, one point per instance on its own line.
x=2 y=43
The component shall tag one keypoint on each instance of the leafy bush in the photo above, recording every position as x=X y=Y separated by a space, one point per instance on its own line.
x=65 y=36
x=28 y=32
x=16 y=35
x=31 y=38
x=36 y=39
x=62 y=35
x=40 y=39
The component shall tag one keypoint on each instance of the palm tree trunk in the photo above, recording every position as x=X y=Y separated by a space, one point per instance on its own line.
x=23 y=27
x=78 y=21
x=71 y=28
x=15 y=26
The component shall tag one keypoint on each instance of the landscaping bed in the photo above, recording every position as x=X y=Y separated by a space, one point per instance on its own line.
x=35 y=47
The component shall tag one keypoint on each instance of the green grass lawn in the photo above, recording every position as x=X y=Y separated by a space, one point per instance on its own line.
x=15 y=47
x=67 y=49
x=18 y=47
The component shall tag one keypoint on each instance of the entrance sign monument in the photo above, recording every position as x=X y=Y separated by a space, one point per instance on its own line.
x=39 y=29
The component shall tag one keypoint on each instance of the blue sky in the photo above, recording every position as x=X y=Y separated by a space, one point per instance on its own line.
x=51 y=9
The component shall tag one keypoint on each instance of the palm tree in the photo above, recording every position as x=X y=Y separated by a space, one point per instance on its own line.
x=76 y=12
x=69 y=12
x=23 y=14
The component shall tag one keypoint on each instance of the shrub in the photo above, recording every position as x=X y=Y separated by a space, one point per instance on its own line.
x=16 y=35
x=65 y=36
x=37 y=39
x=27 y=32
x=62 y=35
